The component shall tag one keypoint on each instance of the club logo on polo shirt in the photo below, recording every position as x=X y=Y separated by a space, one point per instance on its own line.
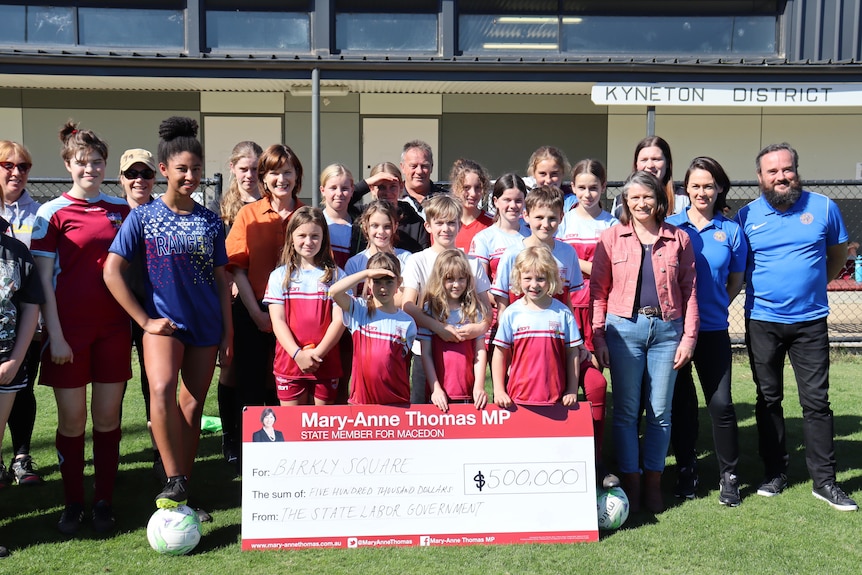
x=555 y=327
x=719 y=236
x=806 y=218
x=115 y=218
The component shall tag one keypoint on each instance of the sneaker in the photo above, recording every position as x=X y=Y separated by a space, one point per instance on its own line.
x=174 y=494
x=103 y=517
x=686 y=483
x=835 y=496
x=5 y=477
x=22 y=469
x=728 y=490
x=4 y=552
x=773 y=486
x=71 y=519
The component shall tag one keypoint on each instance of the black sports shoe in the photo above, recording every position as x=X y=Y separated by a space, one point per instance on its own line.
x=4 y=552
x=686 y=483
x=22 y=469
x=835 y=496
x=103 y=517
x=773 y=486
x=71 y=519
x=174 y=494
x=728 y=490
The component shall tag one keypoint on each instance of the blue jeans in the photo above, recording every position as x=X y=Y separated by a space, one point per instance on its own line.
x=642 y=351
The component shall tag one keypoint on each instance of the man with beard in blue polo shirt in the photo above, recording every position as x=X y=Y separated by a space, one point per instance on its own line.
x=797 y=243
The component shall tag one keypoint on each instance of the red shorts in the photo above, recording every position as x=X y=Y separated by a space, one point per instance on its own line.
x=101 y=354
x=293 y=389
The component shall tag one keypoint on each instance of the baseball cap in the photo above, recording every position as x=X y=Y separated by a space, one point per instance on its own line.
x=135 y=155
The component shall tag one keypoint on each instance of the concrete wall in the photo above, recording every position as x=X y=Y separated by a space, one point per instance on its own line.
x=826 y=138
x=499 y=131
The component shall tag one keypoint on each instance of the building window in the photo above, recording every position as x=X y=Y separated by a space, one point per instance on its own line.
x=573 y=27
x=386 y=26
x=131 y=28
x=158 y=25
x=707 y=35
x=259 y=25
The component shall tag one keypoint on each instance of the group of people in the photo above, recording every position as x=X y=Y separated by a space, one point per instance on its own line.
x=407 y=296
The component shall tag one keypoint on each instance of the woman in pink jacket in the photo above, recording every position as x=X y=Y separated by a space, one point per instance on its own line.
x=645 y=323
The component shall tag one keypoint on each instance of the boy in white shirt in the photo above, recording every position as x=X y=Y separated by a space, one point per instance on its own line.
x=442 y=221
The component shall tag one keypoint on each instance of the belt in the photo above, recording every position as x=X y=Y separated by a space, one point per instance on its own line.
x=650 y=311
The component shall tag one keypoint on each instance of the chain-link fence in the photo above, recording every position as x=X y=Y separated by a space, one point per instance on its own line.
x=845 y=294
x=45 y=189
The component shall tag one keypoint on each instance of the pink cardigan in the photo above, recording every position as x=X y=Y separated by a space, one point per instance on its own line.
x=617 y=264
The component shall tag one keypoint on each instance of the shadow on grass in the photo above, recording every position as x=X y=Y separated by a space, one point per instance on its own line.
x=35 y=510
x=750 y=467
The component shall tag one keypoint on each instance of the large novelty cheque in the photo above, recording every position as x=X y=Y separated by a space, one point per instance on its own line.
x=358 y=476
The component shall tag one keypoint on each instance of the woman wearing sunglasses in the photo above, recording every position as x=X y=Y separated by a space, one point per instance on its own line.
x=138 y=176
x=19 y=209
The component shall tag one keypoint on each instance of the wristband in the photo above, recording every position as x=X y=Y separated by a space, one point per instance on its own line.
x=296 y=353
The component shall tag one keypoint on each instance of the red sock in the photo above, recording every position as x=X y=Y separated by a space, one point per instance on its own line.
x=595 y=390
x=70 y=454
x=106 y=460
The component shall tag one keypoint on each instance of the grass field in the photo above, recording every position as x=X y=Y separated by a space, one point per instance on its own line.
x=793 y=533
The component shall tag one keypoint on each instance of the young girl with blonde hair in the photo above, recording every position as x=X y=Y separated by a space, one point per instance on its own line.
x=454 y=371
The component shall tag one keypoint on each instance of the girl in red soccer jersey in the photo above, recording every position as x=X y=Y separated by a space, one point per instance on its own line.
x=186 y=314
x=305 y=321
x=87 y=332
x=382 y=334
x=454 y=371
x=469 y=183
x=538 y=341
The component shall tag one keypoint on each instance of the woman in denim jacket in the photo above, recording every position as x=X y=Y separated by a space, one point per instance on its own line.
x=645 y=323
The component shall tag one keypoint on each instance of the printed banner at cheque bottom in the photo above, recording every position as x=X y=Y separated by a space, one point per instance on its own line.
x=358 y=476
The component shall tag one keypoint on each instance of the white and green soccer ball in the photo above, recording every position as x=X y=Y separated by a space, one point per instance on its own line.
x=613 y=507
x=174 y=531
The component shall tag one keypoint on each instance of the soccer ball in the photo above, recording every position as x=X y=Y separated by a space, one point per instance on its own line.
x=174 y=531
x=613 y=508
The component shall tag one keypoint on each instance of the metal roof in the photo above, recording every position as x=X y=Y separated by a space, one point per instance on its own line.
x=156 y=71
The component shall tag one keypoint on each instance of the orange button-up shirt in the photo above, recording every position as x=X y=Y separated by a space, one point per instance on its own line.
x=255 y=242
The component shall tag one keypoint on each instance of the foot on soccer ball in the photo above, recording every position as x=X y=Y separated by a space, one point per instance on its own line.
x=174 y=494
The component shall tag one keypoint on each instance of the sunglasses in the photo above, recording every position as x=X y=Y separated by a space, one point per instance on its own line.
x=23 y=167
x=146 y=173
